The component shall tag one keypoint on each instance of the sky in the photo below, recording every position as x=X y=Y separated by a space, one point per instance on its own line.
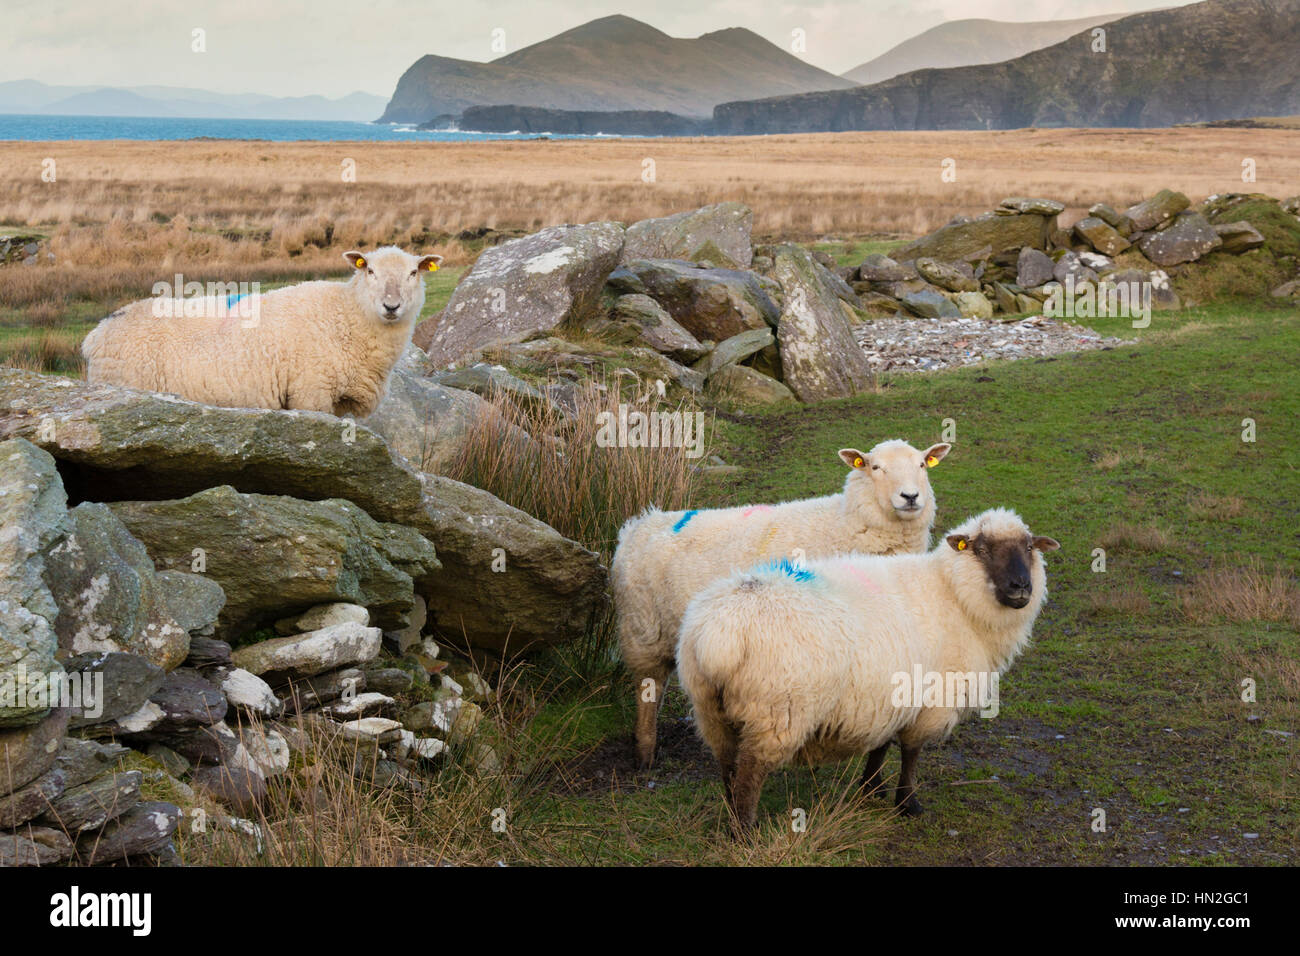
x=335 y=47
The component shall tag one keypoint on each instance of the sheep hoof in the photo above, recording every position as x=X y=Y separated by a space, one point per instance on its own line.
x=911 y=807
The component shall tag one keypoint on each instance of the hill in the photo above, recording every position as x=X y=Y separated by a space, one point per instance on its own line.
x=611 y=64
x=970 y=43
x=1221 y=59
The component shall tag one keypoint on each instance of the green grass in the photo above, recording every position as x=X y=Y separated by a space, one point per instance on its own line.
x=1138 y=714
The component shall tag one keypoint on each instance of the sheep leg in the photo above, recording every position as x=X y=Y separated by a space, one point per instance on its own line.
x=746 y=787
x=649 y=698
x=905 y=796
x=872 y=779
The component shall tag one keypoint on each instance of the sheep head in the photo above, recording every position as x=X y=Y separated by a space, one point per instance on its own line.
x=389 y=283
x=998 y=546
x=899 y=476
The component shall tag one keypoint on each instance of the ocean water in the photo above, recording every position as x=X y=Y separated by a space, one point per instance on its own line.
x=42 y=128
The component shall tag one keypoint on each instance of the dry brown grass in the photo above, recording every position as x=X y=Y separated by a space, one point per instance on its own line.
x=1127 y=536
x=565 y=477
x=1216 y=507
x=1115 y=458
x=1246 y=593
x=1126 y=600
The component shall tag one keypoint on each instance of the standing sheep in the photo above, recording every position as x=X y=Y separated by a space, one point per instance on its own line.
x=822 y=662
x=664 y=557
x=319 y=346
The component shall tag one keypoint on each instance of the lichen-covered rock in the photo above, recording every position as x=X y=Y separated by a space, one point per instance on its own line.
x=637 y=318
x=35 y=846
x=116 y=443
x=246 y=691
x=972 y=305
x=721 y=230
x=27 y=752
x=819 y=356
x=734 y=350
x=82 y=760
x=271 y=552
x=1238 y=237
x=127 y=681
x=878 y=267
x=33 y=518
x=742 y=385
x=145 y=828
x=930 y=304
x=987 y=235
x=93 y=804
x=195 y=602
x=711 y=304
x=31 y=800
x=323 y=615
x=947 y=275
x=1190 y=237
x=307 y=693
x=1163 y=206
x=1101 y=236
x=108 y=592
x=306 y=655
x=526 y=286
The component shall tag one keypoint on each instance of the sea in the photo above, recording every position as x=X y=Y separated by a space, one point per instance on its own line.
x=45 y=128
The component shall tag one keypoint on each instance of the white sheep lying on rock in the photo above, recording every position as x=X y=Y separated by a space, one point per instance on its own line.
x=320 y=346
x=664 y=557
x=826 y=661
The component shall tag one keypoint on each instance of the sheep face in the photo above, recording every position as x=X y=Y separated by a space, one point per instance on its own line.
x=389 y=283
x=1006 y=554
x=899 y=476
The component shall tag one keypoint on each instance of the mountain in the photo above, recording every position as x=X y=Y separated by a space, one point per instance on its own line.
x=31 y=96
x=611 y=64
x=970 y=43
x=1220 y=59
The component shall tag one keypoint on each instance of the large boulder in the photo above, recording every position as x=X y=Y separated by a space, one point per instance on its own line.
x=712 y=304
x=1190 y=237
x=638 y=318
x=526 y=286
x=117 y=444
x=720 y=233
x=987 y=235
x=272 y=554
x=742 y=385
x=109 y=595
x=33 y=518
x=819 y=356
x=1161 y=207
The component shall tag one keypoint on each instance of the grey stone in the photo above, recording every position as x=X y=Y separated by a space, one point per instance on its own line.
x=724 y=227
x=1033 y=268
x=1190 y=237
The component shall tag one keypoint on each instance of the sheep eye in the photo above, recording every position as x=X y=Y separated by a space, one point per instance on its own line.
x=412 y=272
x=875 y=467
x=370 y=272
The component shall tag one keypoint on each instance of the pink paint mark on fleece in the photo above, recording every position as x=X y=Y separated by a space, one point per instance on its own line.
x=755 y=509
x=870 y=586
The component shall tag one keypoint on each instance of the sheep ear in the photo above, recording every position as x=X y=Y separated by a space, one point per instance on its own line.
x=357 y=259
x=430 y=263
x=935 y=453
x=1043 y=543
x=958 y=542
x=853 y=458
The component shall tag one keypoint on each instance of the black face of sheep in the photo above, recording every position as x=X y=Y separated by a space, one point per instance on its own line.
x=1007 y=562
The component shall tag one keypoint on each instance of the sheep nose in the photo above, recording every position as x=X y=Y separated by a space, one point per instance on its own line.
x=910 y=498
x=1020 y=583
x=392 y=308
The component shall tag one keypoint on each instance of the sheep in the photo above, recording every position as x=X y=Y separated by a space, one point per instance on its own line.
x=824 y=661
x=664 y=557
x=320 y=346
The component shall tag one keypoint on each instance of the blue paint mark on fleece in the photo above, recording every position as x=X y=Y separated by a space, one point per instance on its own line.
x=789 y=569
x=233 y=298
x=681 y=522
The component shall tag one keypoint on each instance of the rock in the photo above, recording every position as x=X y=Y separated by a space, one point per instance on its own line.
x=972 y=305
x=435 y=716
x=1287 y=290
x=150 y=715
x=35 y=846
x=369 y=704
x=930 y=304
x=647 y=322
x=712 y=304
x=389 y=681
x=880 y=268
x=1190 y=237
x=323 y=615
x=28 y=752
x=306 y=694
x=494 y=381
x=1109 y=216
x=1097 y=262
x=735 y=350
x=30 y=800
x=526 y=286
x=819 y=356
x=946 y=275
x=1033 y=268
x=207 y=651
x=145 y=828
x=82 y=760
x=194 y=601
x=188 y=700
x=837 y=284
x=961 y=241
x=306 y=655
x=115 y=443
x=742 y=385
x=246 y=691
x=1238 y=237
x=425 y=421
x=725 y=227
x=270 y=553
x=172 y=762
x=1005 y=296
x=1101 y=236
x=267 y=751
x=1150 y=213
x=1020 y=204
x=1070 y=265
x=128 y=680
x=108 y=593
x=878 y=304
x=378 y=730
x=93 y=804
x=33 y=518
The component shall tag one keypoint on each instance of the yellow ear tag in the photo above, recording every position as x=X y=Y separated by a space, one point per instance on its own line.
x=858 y=463
x=931 y=461
x=433 y=266
x=361 y=263
x=961 y=545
